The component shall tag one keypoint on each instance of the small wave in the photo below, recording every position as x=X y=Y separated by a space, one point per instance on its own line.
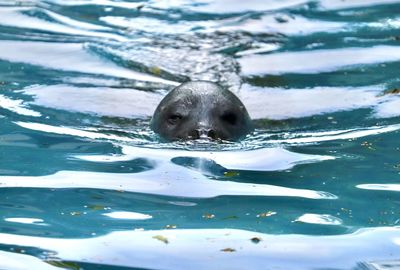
x=317 y=137
x=266 y=250
x=319 y=219
x=383 y=187
x=30 y=18
x=317 y=61
x=74 y=59
x=177 y=183
x=17 y=106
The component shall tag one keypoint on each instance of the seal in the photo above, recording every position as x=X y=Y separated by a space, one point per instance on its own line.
x=201 y=109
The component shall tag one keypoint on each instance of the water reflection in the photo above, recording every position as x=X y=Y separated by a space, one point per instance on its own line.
x=80 y=79
x=15 y=261
x=338 y=4
x=174 y=249
x=35 y=221
x=261 y=102
x=127 y=215
x=382 y=187
x=29 y=18
x=319 y=219
x=16 y=106
x=174 y=181
x=317 y=61
x=68 y=57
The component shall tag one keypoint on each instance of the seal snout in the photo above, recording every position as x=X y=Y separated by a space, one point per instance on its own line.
x=203 y=133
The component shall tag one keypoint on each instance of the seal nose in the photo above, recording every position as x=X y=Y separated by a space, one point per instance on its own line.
x=202 y=133
x=212 y=134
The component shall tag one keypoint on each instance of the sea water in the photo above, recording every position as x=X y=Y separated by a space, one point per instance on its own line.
x=85 y=184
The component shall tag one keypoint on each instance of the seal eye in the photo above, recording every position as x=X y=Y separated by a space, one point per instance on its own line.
x=173 y=119
x=229 y=118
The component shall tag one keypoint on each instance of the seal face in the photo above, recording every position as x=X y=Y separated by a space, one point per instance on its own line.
x=201 y=109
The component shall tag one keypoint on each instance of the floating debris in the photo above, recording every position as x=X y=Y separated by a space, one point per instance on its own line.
x=97 y=207
x=231 y=174
x=256 y=240
x=161 y=238
x=266 y=214
x=394 y=91
x=65 y=265
x=208 y=216
x=19 y=250
x=155 y=70
x=228 y=250
x=230 y=217
x=368 y=145
x=139 y=7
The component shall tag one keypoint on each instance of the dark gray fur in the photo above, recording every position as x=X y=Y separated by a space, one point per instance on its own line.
x=201 y=109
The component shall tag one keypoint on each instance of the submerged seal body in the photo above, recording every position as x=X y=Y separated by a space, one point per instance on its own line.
x=201 y=109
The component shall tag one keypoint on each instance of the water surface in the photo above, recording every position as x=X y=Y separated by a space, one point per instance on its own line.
x=86 y=184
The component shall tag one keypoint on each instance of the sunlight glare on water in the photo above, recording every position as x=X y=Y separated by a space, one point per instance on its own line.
x=87 y=185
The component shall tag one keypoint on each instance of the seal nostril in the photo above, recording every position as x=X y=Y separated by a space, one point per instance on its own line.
x=194 y=134
x=203 y=133
x=211 y=133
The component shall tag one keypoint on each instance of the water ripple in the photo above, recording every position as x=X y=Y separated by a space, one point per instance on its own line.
x=81 y=169
x=237 y=245
x=317 y=61
x=175 y=182
x=68 y=57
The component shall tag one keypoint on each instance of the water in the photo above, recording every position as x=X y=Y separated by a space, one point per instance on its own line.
x=85 y=184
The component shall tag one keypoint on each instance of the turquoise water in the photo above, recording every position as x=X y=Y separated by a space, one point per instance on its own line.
x=85 y=184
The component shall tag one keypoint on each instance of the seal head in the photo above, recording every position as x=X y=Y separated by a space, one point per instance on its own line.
x=201 y=109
